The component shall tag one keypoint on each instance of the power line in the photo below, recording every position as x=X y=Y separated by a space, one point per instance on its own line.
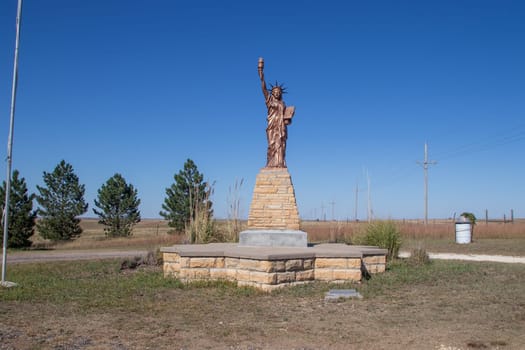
x=486 y=143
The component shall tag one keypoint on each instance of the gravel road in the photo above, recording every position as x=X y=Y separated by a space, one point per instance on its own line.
x=54 y=255
x=472 y=257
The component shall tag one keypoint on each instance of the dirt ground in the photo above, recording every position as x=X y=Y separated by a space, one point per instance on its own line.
x=418 y=315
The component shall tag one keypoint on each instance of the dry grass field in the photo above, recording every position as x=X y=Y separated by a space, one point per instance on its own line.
x=147 y=234
x=437 y=236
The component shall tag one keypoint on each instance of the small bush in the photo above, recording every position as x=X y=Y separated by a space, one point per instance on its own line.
x=383 y=234
x=132 y=263
x=151 y=259
x=159 y=257
x=418 y=257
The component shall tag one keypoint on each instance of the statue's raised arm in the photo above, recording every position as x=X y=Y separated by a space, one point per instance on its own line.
x=260 y=68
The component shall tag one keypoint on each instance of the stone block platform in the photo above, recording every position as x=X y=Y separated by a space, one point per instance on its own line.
x=269 y=268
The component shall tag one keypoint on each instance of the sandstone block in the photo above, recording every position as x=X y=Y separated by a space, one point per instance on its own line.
x=219 y=263
x=186 y=274
x=173 y=266
x=249 y=264
x=333 y=263
x=231 y=274
x=184 y=262
x=308 y=264
x=285 y=277
x=307 y=275
x=170 y=257
x=375 y=268
x=375 y=259
x=263 y=277
x=201 y=274
x=271 y=266
x=231 y=262
x=294 y=265
x=194 y=274
x=347 y=275
x=324 y=274
x=353 y=263
x=202 y=263
x=243 y=275
x=217 y=274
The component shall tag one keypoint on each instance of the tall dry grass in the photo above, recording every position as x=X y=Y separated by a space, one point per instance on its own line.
x=234 y=223
x=444 y=229
x=325 y=231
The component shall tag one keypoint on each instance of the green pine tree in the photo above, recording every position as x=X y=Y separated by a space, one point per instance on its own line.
x=188 y=192
x=61 y=202
x=119 y=207
x=22 y=217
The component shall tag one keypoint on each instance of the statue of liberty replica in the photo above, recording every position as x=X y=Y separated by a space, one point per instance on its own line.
x=274 y=219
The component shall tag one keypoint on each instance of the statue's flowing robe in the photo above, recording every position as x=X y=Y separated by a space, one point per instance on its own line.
x=276 y=132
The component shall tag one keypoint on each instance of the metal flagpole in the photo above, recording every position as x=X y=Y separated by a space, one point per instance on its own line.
x=10 y=146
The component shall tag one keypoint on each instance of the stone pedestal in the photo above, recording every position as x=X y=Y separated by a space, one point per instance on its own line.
x=273 y=204
x=274 y=219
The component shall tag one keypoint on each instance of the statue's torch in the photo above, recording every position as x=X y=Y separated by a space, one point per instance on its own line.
x=260 y=66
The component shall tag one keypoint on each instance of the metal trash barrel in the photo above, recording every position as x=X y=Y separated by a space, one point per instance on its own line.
x=463 y=232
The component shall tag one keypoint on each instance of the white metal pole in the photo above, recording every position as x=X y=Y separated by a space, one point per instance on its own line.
x=10 y=142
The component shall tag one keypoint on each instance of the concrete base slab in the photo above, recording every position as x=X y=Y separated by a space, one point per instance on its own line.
x=273 y=238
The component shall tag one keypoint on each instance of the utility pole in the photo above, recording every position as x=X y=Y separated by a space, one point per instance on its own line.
x=333 y=207
x=356 y=196
x=425 y=165
x=369 y=216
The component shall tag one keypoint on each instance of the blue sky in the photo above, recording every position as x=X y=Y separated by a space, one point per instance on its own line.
x=137 y=87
